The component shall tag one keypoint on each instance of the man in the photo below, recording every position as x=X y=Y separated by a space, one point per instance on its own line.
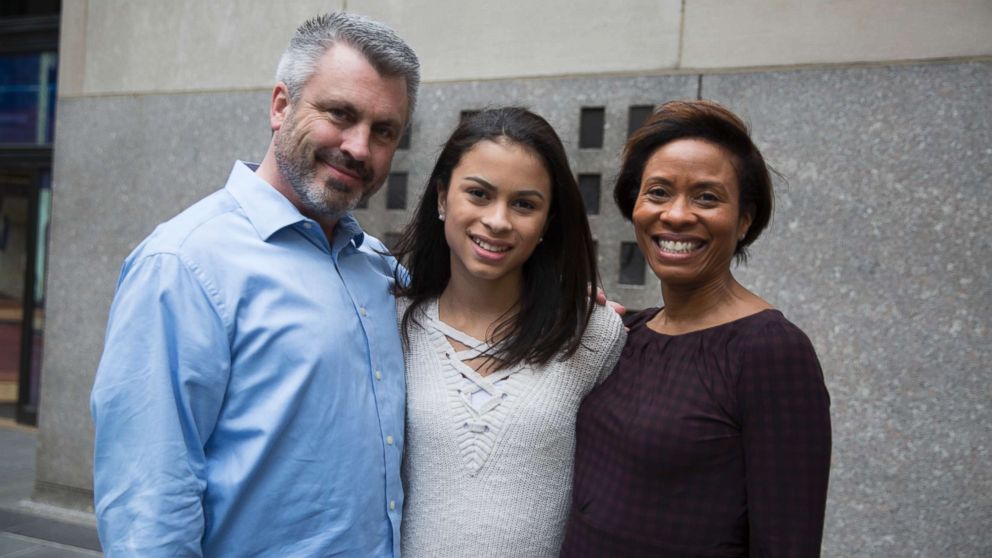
x=249 y=401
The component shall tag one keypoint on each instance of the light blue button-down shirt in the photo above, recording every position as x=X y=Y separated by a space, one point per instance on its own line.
x=250 y=397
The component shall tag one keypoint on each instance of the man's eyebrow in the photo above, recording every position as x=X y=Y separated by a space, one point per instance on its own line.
x=331 y=102
x=328 y=103
x=393 y=123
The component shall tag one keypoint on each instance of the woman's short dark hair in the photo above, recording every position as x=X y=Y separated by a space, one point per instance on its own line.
x=712 y=122
x=556 y=301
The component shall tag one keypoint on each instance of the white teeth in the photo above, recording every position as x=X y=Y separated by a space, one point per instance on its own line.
x=486 y=246
x=677 y=247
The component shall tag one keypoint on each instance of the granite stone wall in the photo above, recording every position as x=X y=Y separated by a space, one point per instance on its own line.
x=879 y=250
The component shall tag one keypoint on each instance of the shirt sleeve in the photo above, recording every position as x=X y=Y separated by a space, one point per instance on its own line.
x=155 y=401
x=786 y=436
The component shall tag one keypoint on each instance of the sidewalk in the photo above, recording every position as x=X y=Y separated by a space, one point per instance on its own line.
x=24 y=531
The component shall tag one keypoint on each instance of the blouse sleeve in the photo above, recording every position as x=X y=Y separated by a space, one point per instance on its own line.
x=785 y=412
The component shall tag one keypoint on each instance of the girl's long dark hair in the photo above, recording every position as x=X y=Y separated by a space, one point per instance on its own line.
x=560 y=276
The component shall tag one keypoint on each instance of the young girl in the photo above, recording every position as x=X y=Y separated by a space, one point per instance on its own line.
x=503 y=340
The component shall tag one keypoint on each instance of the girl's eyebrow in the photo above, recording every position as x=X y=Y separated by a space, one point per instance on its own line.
x=489 y=186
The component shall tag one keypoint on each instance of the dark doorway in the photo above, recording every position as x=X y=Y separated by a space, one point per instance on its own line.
x=24 y=202
x=29 y=31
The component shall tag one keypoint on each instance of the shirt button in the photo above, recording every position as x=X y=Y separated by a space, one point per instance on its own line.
x=392 y=504
x=389 y=440
x=307 y=225
x=378 y=375
x=362 y=311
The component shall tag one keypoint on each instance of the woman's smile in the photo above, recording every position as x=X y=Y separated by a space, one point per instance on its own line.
x=490 y=248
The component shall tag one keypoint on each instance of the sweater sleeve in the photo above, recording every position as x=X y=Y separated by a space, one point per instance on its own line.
x=785 y=413
x=605 y=337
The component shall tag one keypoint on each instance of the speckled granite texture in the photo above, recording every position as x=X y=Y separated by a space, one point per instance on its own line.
x=879 y=250
x=122 y=165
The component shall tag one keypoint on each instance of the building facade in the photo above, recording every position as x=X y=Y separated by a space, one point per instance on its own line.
x=876 y=115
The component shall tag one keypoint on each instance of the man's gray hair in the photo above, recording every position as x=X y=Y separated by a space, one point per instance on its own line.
x=380 y=45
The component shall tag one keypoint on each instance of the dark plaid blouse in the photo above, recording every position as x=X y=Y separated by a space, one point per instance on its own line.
x=712 y=443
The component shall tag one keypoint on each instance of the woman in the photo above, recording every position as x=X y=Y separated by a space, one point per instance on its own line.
x=712 y=435
x=503 y=340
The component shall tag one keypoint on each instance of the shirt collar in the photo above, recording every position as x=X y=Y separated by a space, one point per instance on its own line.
x=269 y=211
x=348 y=230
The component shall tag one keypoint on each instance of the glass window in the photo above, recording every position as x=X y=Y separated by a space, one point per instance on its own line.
x=589 y=187
x=631 y=264
x=20 y=8
x=396 y=191
x=27 y=97
x=636 y=117
x=591 y=123
x=25 y=198
x=405 y=138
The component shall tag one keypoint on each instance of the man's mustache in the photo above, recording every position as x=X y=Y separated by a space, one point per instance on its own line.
x=339 y=158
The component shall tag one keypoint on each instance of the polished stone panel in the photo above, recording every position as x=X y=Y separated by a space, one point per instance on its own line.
x=880 y=251
x=122 y=165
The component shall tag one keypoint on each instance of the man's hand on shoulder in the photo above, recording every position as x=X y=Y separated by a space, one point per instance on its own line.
x=603 y=301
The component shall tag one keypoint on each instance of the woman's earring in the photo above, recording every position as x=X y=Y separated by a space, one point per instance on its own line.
x=440 y=216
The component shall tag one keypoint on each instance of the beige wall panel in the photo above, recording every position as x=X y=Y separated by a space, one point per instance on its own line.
x=181 y=45
x=461 y=40
x=721 y=34
x=126 y=46
x=72 y=47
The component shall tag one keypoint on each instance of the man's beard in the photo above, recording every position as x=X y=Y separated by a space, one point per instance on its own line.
x=298 y=166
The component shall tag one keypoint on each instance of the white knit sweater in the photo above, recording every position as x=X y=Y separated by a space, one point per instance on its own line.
x=494 y=480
